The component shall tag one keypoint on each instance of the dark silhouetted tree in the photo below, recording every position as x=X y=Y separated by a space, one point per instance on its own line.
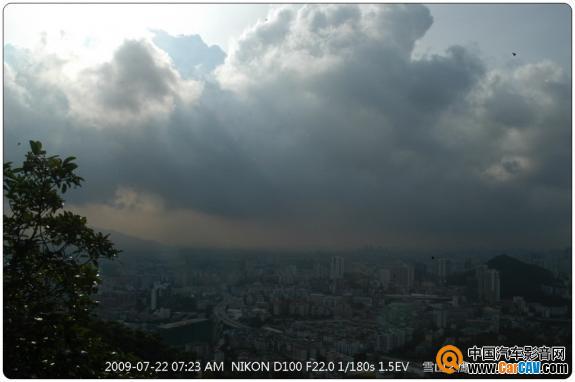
x=50 y=273
x=51 y=260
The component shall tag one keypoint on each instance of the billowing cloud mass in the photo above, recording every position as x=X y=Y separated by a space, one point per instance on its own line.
x=138 y=83
x=319 y=128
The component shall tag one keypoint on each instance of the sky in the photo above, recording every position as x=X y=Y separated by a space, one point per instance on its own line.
x=302 y=126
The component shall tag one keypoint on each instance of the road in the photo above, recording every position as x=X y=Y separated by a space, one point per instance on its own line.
x=220 y=313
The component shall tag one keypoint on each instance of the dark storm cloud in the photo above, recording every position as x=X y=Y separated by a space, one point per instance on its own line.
x=320 y=118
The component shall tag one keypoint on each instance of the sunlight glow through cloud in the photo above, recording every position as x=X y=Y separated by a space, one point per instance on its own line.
x=323 y=122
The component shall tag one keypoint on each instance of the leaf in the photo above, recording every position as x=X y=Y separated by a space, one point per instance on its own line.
x=36 y=147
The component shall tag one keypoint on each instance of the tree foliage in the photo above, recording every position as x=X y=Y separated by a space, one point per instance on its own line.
x=51 y=260
x=50 y=273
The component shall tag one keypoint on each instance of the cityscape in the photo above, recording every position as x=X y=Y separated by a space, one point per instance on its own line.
x=364 y=305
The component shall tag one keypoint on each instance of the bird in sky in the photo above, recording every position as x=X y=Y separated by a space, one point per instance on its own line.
x=514 y=54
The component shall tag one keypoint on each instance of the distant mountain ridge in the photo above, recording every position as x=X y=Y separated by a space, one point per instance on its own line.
x=125 y=242
x=518 y=278
x=136 y=249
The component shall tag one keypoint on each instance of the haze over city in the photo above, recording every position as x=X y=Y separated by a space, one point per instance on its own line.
x=302 y=126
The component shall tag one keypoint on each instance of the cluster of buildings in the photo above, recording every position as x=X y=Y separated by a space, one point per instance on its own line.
x=327 y=308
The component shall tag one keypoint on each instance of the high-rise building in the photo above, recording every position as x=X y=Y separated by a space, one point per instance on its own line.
x=442 y=266
x=489 y=288
x=384 y=277
x=336 y=268
x=320 y=271
x=403 y=277
x=154 y=299
x=155 y=294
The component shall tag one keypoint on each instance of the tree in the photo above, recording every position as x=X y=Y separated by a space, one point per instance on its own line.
x=50 y=273
x=51 y=260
